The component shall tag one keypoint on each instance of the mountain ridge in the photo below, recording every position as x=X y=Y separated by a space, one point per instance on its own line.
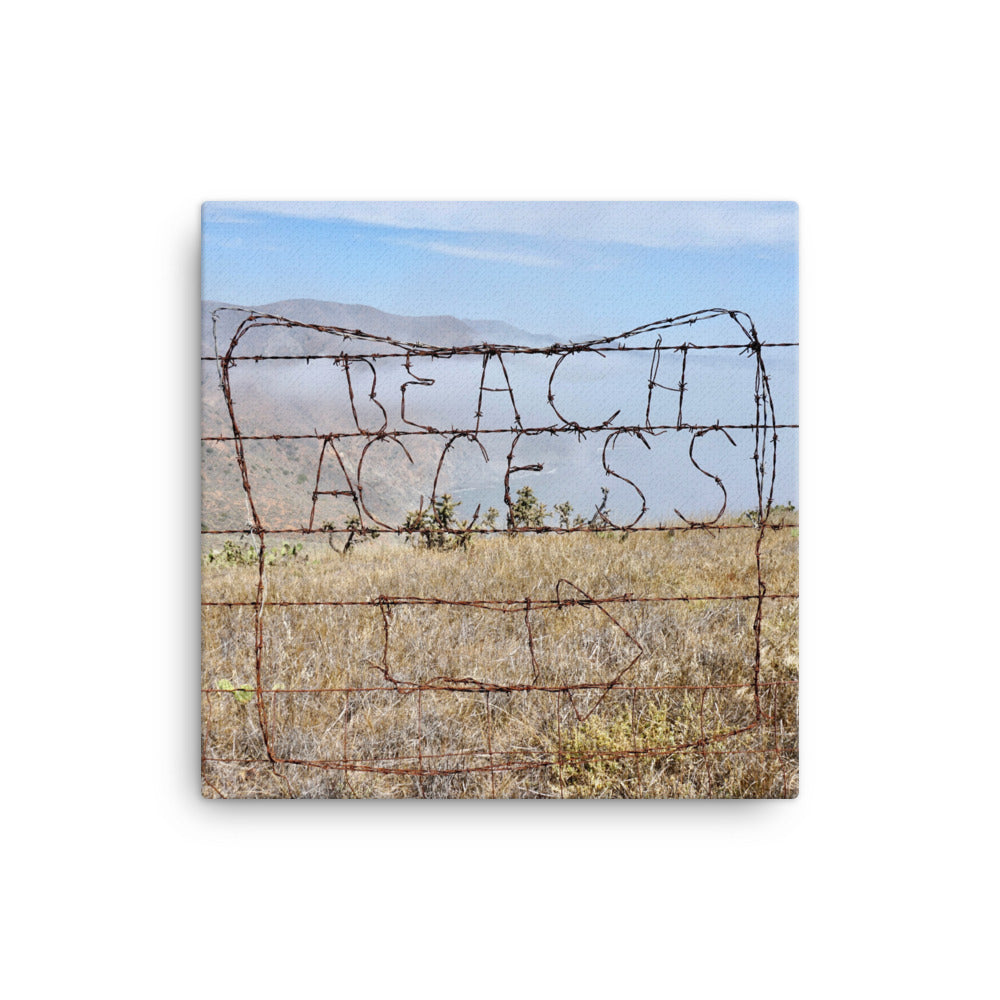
x=436 y=331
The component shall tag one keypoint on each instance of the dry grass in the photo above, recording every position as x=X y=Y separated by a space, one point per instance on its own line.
x=683 y=721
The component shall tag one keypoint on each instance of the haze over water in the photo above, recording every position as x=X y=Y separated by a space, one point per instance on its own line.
x=562 y=272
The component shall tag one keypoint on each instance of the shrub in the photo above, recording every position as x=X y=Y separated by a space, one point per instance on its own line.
x=590 y=767
x=437 y=527
x=528 y=511
x=244 y=554
x=564 y=510
x=753 y=515
x=233 y=554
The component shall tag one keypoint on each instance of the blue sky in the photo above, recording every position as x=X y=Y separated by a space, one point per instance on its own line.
x=569 y=270
x=566 y=270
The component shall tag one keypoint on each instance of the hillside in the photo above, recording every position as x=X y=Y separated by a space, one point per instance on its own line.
x=292 y=398
x=667 y=470
x=443 y=331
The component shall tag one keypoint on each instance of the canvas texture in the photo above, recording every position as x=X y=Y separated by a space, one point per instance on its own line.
x=499 y=500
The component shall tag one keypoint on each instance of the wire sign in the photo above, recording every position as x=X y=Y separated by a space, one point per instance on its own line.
x=497 y=570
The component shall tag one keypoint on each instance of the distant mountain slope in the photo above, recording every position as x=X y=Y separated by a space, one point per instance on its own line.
x=443 y=331
x=291 y=398
x=302 y=402
x=497 y=332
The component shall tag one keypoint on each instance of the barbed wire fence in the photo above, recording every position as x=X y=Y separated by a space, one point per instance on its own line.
x=363 y=353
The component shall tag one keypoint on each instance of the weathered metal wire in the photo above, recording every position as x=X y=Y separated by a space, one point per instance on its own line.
x=490 y=759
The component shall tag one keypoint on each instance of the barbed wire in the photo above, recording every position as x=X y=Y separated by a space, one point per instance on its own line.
x=568 y=595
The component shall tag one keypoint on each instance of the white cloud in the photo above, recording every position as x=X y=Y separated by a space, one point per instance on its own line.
x=475 y=253
x=650 y=224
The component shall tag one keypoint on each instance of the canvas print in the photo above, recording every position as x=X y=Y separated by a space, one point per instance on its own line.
x=499 y=500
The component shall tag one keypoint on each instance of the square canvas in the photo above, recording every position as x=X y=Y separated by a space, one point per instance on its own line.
x=499 y=500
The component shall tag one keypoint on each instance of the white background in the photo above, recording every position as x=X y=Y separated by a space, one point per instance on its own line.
x=879 y=119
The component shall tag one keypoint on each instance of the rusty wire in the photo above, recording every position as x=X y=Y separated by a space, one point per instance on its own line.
x=489 y=759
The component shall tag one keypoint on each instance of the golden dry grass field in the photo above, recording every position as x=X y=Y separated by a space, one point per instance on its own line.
x=637 y=698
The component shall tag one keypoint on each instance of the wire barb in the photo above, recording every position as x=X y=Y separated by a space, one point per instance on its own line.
x=616 y=616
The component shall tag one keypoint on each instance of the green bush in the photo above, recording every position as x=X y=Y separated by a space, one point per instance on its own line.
x=244 y=554
x=564 y=510
x=753 y=515
x=437 y=527
x=527 y=511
